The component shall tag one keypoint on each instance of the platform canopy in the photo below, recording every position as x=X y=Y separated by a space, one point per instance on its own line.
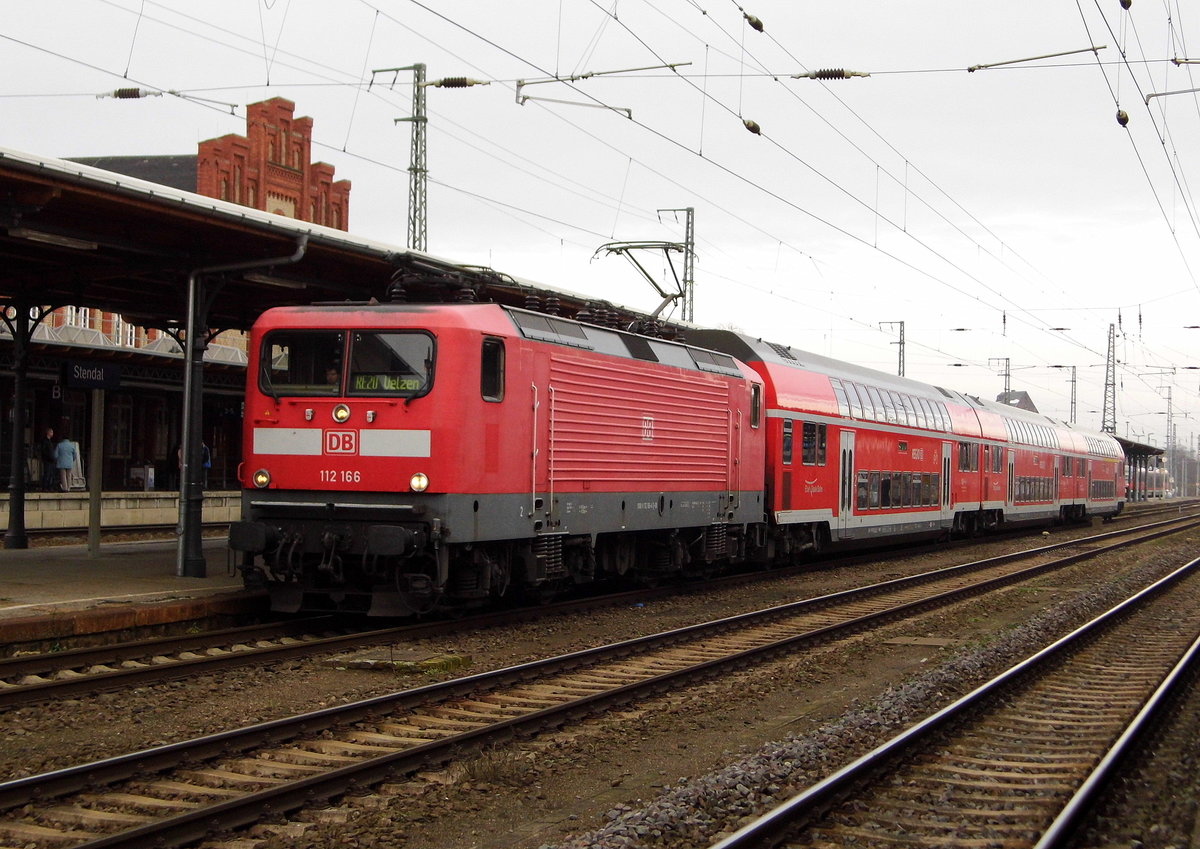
x=75 y=235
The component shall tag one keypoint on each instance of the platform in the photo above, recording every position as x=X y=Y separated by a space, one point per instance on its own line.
x=53 y=592
x=53 y=510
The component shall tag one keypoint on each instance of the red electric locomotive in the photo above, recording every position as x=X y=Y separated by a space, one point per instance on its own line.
x=856 y=456
x=404 y=456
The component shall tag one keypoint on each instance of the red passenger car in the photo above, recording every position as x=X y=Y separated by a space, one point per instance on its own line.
x=858 y=456
x=400 y=456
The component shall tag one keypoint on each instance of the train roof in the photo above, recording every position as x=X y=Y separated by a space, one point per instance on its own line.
x=502 y=320
x=992 y=418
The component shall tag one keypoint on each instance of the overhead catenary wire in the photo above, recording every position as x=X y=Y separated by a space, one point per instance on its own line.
x=649 y=165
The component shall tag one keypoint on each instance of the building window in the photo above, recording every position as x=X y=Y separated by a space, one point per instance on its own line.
x=124 y=333
x=117 y=425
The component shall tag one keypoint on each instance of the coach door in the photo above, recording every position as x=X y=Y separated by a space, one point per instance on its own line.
x=846 y=497
x=1011 y=494
x=947 y=512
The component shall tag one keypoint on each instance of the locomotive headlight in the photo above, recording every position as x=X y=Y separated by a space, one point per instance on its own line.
x=262 y=479
x=419 y=482
x=341 y=413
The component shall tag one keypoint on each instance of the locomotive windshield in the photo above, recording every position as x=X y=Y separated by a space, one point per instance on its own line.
x=302 y=362
x=387 y=363
x=381 y=363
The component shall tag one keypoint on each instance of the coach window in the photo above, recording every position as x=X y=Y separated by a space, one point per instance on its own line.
x=787 y=441
x=885 y=490
x=931 y=417
x=877 y=412
x=874 y=490
x=491 y=379
x=864 y=400
x=853 y=399
x=814 y=444
x=889 y=407
x=840 y=394
x=864 y=487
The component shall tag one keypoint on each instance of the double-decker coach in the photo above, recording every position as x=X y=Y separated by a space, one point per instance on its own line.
x=857 y=456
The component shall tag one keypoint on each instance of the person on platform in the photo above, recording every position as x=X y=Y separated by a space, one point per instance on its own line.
x=205 y=461
x=66 y=455
x=46 y=455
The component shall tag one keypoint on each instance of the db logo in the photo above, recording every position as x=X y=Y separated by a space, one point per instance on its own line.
x=647 y=428
x=341 y=442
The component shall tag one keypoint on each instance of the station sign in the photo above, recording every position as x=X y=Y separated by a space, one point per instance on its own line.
x=79 y=374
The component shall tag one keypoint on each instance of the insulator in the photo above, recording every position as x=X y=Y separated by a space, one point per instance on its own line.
x=532 y=302
x=396 y=292
x=1125 y=4
x=1122 y=117
x=755 y=23
x=466 y=295
x=831 y=74
x=454 y=82
x=127 y=93
x=752 y=126
x=552 y=305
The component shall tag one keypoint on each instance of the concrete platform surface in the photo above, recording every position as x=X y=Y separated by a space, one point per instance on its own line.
x=58 y=591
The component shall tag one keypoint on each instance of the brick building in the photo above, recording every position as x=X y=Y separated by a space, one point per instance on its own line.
x=270 y=168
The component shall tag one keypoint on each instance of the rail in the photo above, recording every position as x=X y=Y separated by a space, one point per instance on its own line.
x=335 y=749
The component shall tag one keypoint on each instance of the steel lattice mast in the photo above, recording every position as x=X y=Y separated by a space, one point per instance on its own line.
x=417 y=171
x=1109 y=420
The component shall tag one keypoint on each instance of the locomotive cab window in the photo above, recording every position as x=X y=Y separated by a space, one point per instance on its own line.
x=390 y=364
x=491 y=380
x=755 y=405
x=301 y=362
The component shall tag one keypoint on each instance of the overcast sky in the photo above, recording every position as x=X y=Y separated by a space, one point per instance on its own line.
x=1007 y=201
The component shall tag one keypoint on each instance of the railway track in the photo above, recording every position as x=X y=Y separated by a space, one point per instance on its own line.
x=1017 y=762
x=32 y=678
x=180 y=793
x=79 y=534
